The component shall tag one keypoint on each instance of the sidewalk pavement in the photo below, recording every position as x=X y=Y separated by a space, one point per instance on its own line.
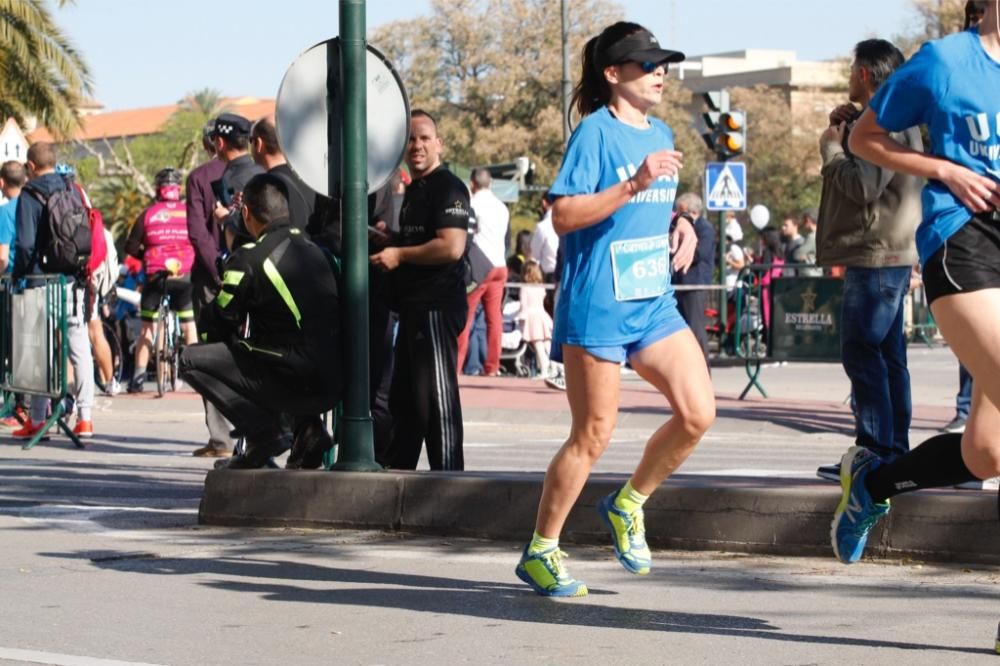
x=743 y=495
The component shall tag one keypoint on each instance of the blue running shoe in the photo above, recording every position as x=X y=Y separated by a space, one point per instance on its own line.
x=547 y=576
x=628 y=535
x=857 y=513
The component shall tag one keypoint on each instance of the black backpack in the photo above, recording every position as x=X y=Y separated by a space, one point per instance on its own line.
x=63 y=243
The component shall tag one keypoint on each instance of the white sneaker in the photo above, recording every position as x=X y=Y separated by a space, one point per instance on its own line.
x=558 y=382
x=113 y=387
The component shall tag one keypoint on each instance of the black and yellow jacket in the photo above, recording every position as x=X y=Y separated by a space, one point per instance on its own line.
x=279 y=306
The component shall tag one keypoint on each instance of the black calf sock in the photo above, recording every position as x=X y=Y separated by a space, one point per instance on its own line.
x=934 y=464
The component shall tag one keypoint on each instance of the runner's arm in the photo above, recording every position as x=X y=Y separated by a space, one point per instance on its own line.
x=579 y=211
x=871 y=142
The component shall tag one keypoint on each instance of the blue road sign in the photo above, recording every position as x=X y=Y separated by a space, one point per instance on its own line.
x=726 y=186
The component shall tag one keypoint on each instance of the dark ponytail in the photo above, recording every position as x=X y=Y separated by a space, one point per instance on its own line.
x=592 y=91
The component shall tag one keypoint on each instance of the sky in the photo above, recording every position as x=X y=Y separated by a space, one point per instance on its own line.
x=144 y=53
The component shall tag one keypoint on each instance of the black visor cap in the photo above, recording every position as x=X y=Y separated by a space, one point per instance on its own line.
x=640 y=46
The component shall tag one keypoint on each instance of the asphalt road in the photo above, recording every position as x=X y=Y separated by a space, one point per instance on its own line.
x=102 y=561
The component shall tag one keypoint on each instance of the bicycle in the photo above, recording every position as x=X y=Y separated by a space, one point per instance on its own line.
x=109 y=328
x=166 y=341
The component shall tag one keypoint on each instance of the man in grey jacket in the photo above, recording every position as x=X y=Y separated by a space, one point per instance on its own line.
x=867 y=220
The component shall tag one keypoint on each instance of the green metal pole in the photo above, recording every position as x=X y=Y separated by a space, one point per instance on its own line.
x=723 y=314
x=356 y=452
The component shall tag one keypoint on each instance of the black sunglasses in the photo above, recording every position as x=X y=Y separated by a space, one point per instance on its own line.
x=647 y=67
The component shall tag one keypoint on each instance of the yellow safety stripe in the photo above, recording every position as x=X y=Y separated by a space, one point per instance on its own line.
x=233 y=277
x=223 y=298
x=271 y=271
x=185 y=314
x=149 y=314
x=259 y=350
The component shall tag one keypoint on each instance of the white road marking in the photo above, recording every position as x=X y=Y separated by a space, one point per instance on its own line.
x=36 y=657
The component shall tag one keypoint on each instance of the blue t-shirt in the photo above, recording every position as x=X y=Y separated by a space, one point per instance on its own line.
x=7 y=216
x=602 y=298
x=951 y=85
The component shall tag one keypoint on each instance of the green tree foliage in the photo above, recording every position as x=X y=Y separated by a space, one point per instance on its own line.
x=782 y=155
x=931 y=19
x=41 y=73
x=491 y=71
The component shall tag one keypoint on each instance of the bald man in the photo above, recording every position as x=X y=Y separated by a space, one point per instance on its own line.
x=267 y=153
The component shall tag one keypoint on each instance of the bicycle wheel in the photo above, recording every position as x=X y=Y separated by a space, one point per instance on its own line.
x=117 y=355
x=161 y=355
x=173 y=353
x=117 y=363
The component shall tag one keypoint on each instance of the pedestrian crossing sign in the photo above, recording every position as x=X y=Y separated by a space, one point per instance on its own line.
x=726 y=186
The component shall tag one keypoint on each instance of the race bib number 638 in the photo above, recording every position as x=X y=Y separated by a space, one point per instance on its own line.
x=641 y=267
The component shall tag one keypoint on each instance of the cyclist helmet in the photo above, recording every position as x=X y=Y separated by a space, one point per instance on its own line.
x=64 y=169
x=168 y=184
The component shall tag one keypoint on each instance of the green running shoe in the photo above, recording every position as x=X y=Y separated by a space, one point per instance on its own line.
x=628 y=535
x=547 y=576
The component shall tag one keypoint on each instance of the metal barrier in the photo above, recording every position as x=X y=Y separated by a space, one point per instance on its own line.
x=921 y=326
x=34 y=345
x=785 y=312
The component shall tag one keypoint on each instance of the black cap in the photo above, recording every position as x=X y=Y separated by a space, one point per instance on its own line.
x=640 y=46
x=230 y=124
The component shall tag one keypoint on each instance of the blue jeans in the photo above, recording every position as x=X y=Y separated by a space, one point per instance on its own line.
x=873 y=350
x=963 y=399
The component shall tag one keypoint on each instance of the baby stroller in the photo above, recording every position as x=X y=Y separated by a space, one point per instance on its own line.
x=515 y=356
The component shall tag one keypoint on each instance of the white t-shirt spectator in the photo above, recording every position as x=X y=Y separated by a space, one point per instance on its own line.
x=493 y=218
x=735 y=254
x=545 y=244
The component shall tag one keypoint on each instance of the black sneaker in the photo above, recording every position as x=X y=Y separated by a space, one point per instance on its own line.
x=311 y=444
x=137 y=385
x=829 y=472
x=956 y=425
x=259 y=452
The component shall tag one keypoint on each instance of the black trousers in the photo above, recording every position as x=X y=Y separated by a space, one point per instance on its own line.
x=692 y=307
x=249 y=393
x=424 y=398
x=381 y=332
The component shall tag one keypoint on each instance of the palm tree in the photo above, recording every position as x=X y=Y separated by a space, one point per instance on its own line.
x=41 y=73
x=186 y=123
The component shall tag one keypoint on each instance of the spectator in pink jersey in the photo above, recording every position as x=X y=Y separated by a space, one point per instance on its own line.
x=159 y=245
x=772 y=253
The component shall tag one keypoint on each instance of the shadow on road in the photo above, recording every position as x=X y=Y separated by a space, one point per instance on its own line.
x=475 y=598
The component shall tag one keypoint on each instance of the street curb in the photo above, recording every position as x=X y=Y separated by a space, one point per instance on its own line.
x=689 y=512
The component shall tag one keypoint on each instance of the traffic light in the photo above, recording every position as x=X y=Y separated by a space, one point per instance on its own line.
x=726 y=135
x=732 y=134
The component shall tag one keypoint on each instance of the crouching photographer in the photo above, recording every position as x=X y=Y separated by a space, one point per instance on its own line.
x=272 y=336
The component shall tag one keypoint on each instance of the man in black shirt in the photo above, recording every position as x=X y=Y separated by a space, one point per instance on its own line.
x=266 y=153
x=426 y=263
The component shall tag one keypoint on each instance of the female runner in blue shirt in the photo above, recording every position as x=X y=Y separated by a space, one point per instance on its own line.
x=952 y=85
x=612 y=204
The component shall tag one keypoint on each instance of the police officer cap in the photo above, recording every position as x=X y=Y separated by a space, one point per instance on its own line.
x=230 y=124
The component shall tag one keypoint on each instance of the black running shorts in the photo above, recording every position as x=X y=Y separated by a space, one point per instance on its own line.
x=968 y=261
x=180 y=298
